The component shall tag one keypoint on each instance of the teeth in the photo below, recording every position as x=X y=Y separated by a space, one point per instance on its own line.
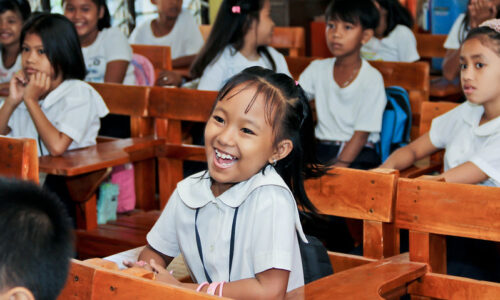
x=223 y=156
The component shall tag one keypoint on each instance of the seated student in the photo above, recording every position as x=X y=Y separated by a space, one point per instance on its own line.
x=13 y=14
x=470 y=133
x=174 y=27
x=394 y=39
x=239 y=39
x=36 y=242
x=478 y=11
x=349 y=92
x=106 y=50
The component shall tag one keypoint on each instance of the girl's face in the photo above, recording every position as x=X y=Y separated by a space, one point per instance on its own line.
x=344 y=38
x=238 y=143
x=11 y=24
x=480 y=72
x=84 y=14
x=265 y=25
x=168 y=8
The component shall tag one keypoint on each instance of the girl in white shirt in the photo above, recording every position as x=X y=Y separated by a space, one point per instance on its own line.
x=393 y=39
x=238 y=39
x=13 y=14
x=106 y=50
x=470 y=133
x=238 y=223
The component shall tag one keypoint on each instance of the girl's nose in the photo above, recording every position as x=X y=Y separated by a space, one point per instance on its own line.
x=226 y=136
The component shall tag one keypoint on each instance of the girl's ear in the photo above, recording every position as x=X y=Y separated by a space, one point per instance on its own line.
x=101 y=12
x=282 y=150
x=367 y=35
x=18 y=293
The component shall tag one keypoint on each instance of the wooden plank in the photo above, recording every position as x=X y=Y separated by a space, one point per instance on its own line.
x=290 y=38
x=343 y=261
x=431 y=110
x=159 y=56
x=430 y=45
x=454 y=288
x=128 y=100
x=79 y=283
x=449 y=209
x=368 y=281
x=19 y=158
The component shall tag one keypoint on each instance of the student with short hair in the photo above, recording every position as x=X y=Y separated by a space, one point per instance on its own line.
x=36 y=242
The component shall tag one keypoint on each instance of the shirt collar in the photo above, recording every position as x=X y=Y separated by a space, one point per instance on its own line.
x=472 y=115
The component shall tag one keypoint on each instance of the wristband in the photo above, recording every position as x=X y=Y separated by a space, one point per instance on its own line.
x=201 y=286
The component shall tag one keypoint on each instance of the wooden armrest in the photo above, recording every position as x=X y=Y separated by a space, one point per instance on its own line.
x=105 y=139
x=182 y=152
x=416 y=171
x=369 y=281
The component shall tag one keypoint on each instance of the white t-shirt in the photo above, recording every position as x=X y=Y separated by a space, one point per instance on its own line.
x=458 y=131
x=74 y=108
x=265 y=232
x=109 y=45
x=341 y=111
x=184 y=39
x=453 y=40
x=230 y=62
x=399 y=45
x=6 y=74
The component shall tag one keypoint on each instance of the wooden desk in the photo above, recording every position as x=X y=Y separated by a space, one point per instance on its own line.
x=444 y=90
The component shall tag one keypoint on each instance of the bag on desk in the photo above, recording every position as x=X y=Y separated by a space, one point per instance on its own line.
x=107 y=203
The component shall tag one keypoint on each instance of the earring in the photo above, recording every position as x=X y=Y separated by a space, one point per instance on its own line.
x=274 y=162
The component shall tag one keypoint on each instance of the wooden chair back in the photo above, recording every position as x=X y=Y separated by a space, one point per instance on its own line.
x=160 y=56
x=430 y=45
x=170 y=107
x=318 y=44
x=287 y=38
x=431 y=110
x=364 y=195
x=19 y=158
x=430 y=210
x=87 y=281
x=297 y=64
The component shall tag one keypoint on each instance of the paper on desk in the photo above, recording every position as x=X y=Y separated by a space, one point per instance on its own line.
x=130 y=255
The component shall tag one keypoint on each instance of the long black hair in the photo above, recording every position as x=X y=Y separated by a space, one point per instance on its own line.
x=105 y=21
x=397 y=14
x=230 y=27
x=289 y=114
x=20 y=6
x=465 y=26
x=60 y=42
x=362 y=12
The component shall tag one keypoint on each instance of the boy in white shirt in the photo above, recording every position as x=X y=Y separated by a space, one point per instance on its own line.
x=349 y=92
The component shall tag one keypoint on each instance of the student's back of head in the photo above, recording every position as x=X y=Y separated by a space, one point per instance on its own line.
x=362 y=12
x=36 y=241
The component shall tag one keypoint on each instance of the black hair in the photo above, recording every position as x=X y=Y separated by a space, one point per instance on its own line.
x=230 y=28
x=397 y=14
x=487 y=36
x=105 y=21
x=362 y=12
x=465 y=26
x=20 y=6
x=60 y=42
x=36 y=240
x=289 y=114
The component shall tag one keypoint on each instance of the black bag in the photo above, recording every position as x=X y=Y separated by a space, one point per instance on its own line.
x=315 y=261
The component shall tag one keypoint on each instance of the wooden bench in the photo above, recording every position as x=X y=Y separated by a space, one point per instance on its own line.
x=159 y=56
x=19 y=158
x=413 y=77
x=291 y=39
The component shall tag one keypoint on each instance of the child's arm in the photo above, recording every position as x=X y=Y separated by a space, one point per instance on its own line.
x=116 y=71
x=183 y=61
x=16 y=88
x=56 y=141
x=406 y=156
x=465 y=173
x=451 y=64
x=352 y=148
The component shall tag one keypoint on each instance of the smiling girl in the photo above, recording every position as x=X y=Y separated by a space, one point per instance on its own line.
x=470 y=133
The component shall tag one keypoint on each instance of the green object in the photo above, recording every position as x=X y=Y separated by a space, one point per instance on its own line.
x=107 y=202
x=213 y=9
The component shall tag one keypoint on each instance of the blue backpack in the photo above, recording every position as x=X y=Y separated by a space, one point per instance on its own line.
x=396 y=122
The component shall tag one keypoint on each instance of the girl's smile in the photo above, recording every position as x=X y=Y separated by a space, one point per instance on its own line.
x=11 y=24
x=84 y=14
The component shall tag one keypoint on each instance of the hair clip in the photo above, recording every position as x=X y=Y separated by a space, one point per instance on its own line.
x=492 y=23
x=236 y=9
x=296 y=82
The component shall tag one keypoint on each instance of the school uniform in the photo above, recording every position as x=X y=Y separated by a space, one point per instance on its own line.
x=7 y=73
x=110 y=44
x=399 y=45
x=459 y=133
x=184 y=39
x=342 y=111
x=230 y=62
x=265 y=234
x=74 y=108
x=457 y=34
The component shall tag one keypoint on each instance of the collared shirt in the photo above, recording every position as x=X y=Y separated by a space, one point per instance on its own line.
x=73 y=108
x=459 y=132
x=399 y=45
x=7 y=73
x=265 y=233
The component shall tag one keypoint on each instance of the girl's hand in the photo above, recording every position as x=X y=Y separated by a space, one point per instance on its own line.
x=169 y=78
x=162 y=274
x=38 y=86
x=17 y=87
x=138 y=264
x=480 y=11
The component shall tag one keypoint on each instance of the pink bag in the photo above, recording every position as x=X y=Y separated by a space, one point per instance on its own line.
x=144 y=71
x=123 y=176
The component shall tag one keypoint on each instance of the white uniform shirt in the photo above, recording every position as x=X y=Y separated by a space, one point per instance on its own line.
x=453 y=40
x=399 y=45
x=184 y=39
x=458 y=131
x=74 y=108
x=341 y=111
x=6 y=74
x=109 y=45
x=230 y=62
x=265 y=233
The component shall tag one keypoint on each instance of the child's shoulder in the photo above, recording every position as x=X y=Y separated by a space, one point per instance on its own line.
x=369 y=72
x=401 y=31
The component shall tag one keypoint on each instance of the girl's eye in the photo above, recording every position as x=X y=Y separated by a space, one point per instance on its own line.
x=463 y=66
x=349 y=26
x=218 y=119
x=330 y=26
x=247 y=131
x=25 y=49
x=41 y=51
x=479 y=65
